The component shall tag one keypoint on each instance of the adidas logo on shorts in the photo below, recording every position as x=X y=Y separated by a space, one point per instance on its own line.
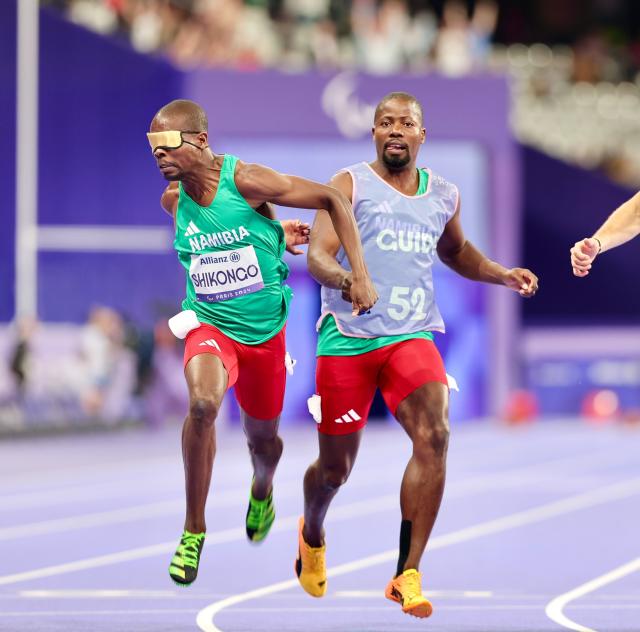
x=348 y=418
x=210 y=343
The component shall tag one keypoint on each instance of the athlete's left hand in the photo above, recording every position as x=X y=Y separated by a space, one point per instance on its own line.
x=296 y=233
x=522 y=281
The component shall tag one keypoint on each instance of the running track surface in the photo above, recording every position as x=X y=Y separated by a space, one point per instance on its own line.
x=538 y=531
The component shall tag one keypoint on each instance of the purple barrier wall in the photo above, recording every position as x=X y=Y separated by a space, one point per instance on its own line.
x=7 y=155
x=314 y=104
x=97 y=98
x=96 y=169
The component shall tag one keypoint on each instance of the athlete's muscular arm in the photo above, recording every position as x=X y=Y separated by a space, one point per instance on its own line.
x=169 y=199
x=463 y=257
x=324 y=246
x=258 y=184
x=621 y=226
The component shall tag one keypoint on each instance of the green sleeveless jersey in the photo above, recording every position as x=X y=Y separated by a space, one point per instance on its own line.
x=233 y=259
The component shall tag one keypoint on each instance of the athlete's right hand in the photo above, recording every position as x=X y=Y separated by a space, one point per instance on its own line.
x=363 y=294
x=346 y=287
x=582 y=255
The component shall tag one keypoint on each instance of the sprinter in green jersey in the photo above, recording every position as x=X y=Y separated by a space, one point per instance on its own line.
x=236 y=305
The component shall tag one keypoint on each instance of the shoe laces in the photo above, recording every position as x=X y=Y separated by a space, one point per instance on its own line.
x=316 y=558
x=190 y=548
x=411 y=586
x=258 y=508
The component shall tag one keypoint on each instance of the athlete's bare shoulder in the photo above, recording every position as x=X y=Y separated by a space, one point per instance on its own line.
x=344 y=183
x=169 y=199
x=247 y=176
x=258 y=183
x=250 y=175
x=248 y=170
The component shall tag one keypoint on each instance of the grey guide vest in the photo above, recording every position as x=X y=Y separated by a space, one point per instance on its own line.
x=399 y=236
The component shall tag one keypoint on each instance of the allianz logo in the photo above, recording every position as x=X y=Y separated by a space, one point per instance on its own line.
x=340 y=102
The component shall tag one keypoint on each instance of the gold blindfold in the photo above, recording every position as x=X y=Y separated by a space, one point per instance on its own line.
x=171 y=139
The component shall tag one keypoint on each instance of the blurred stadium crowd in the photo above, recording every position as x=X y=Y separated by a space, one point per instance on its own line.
x=380 y=36
x=574 y=63
x=295 y=35
x=108 y=371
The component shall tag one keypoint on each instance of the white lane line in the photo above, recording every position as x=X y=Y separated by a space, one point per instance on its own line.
x=96 y=613
x=442 y=594
x=280 y=609
x=517 y=477
x=59 y=497
x=324 y=608
x=99 y=594
x=385 y=608
x=56 y=495
x=91 y=562
x=156 y=612
x=225 y=498
x=126 y=475
x=116 y=593
x=176 y=506
x=592 y=498
x=124 y=470
x=344 y=512
x=97 y=519
x=128 y=468
x=556 y=606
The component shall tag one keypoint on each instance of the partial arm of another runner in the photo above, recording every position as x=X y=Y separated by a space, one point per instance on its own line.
x=621 y=226
x=457 y=252
x=324 y=246
x=258 y=184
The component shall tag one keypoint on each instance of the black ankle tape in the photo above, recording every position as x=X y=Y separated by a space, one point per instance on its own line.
x=405 y=544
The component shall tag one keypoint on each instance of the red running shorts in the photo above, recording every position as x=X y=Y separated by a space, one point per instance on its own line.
x=257 y=371
x=347 y=384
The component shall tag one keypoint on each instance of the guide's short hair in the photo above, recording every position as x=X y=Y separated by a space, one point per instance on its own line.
x=404 y=96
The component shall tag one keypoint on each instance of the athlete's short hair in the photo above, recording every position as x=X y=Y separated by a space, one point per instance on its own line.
x=404 y=96
x=193 y=116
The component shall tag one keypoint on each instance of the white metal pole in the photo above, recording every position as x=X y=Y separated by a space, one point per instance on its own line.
x=26 y=260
